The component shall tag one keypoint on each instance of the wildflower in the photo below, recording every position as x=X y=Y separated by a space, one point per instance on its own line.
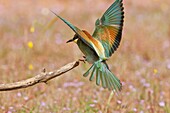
x=134 y=109
x=9 y=111
x=32 y=29
x=30 y=44
x=132 y=88
x=19 y=94
x=155 y=71
x=119 y=101
x=43 y=104
x=92 y=105
x=2 y=107
x=141 y=112
x=30 y=67
x=168 y=66
x=66 y=109
x=162 y=104
x=11 y=107
x=146 y=85
x=26 y=98
x=95 y=101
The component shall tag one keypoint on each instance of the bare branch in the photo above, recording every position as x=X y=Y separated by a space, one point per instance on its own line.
x=40 y=78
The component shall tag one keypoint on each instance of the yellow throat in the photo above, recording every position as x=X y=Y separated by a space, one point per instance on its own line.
x=75 y=40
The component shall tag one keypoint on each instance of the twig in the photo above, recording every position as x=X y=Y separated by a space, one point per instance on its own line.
x=108 y=102
x=40 y=78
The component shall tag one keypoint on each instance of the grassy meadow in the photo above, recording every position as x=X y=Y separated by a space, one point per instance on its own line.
x=32 y=38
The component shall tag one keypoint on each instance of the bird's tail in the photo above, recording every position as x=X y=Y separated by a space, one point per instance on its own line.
x=104 y=75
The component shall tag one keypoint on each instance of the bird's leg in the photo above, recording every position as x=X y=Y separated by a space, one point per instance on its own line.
x=83 y=59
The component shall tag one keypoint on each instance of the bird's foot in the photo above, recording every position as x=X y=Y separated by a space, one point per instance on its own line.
x=83 y=59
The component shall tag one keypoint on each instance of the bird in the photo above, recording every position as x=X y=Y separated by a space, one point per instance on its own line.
x=100 y=46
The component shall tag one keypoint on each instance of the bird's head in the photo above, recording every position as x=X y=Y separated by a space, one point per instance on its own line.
x=74 y=39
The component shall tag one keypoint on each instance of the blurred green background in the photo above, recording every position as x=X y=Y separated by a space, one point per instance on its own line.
x=31 y=38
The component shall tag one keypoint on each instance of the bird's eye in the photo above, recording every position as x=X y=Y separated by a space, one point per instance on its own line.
x=75 y=37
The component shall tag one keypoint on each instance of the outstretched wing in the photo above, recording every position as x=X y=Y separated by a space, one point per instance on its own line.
x=86 y=38
x=109 y=28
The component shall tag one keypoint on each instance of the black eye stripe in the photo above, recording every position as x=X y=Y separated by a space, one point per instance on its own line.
x=75 y=37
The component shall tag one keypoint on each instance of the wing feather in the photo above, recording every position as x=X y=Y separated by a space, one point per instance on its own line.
x=109 y=28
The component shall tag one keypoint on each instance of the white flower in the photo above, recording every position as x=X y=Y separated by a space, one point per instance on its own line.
x=162 y=104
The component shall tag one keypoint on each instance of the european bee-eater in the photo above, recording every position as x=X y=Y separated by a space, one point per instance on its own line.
x=99 y=46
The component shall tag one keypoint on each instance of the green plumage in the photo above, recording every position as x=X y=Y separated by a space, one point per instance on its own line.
x=112 y=20
x=99 y=69
x=108 y=32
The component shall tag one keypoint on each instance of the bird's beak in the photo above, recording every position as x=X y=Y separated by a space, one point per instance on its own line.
x=71 y=40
